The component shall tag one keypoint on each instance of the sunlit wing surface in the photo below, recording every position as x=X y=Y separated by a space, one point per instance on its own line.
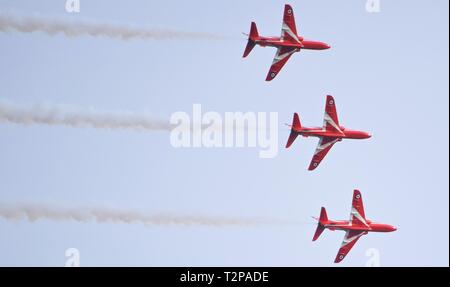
x=282 y=56
x=330 y=119
x=324 y=146
x=357 y=215
x=350 y=239
x=288 y=28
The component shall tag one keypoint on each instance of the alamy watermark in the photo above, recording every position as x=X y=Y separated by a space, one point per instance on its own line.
x=231 y=130
x=72 y=6
x=73 y=257
x=373 y=6
x=374 y=257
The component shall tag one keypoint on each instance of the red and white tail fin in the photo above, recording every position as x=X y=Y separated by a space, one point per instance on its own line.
x=323 y=219
x=295 y=128
x=252 y=37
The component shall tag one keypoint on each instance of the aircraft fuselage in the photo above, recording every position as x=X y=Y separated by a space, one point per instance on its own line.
x=320 y=132
x=304 y=44
x=371 y=226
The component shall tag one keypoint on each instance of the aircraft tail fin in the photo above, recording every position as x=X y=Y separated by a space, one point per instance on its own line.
x=296 y=126
x=323 y=219
x=252 y=37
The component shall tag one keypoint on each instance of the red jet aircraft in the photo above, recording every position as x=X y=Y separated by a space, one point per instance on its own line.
x=356 y=227
x=329 y=134
x=289 y=42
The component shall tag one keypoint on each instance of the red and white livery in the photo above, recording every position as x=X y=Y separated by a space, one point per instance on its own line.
x=289 y=42
x=331 y=133
x=354 y=228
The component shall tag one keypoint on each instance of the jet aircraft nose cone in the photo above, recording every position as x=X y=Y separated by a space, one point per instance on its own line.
x=394 y=228
x=369 y=136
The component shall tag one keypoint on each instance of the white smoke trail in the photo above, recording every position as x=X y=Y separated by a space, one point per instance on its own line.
x=67 y=115
x=30 y=24
x=34 y=212
x=77 y=117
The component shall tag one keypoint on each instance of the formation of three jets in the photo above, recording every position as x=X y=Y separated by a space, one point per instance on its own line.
x=331 y=132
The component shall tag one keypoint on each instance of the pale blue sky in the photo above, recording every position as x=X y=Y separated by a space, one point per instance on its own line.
x=388 y=72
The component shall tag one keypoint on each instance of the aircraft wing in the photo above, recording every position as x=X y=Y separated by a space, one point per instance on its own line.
x=357 y=215
x=330 y=119
x=351 y=237
x=288 y=29
x=282 y=56
x=324 y=146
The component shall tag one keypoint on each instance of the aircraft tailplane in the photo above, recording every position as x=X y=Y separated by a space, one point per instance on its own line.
x=295 y=128
x=253 y=36
x=323 y=219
